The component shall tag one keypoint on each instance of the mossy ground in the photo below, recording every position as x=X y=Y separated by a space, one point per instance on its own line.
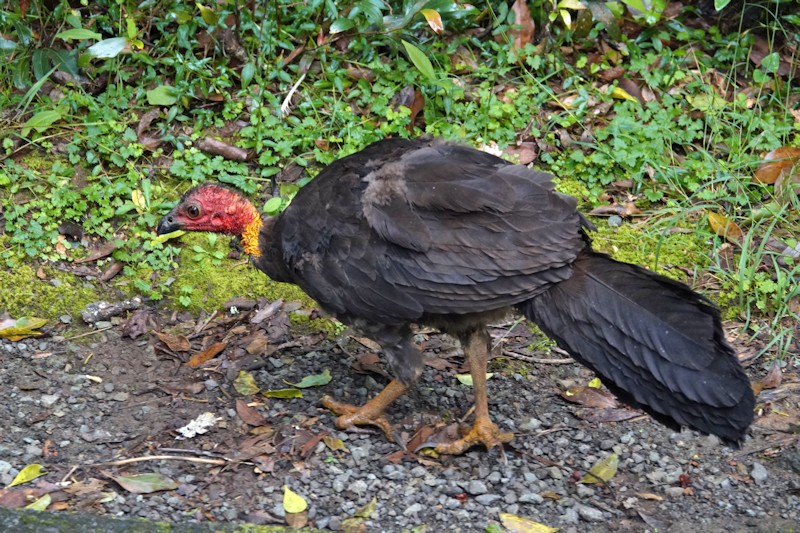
x=24 y=294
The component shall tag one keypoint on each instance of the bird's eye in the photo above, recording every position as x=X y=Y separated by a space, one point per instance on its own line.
x=193 y=211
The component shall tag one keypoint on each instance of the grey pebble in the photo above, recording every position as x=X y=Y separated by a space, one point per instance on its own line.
x=674 y=492
x=487 y=499
x=590 y=514
x=477 y=488
x=759 y=473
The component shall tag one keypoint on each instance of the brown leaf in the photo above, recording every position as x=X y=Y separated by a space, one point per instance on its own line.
x=176 y=343
x=297 y=520
x=726 y=228
x=358 y=73
x=524 y=152
x=604 y=416
x=102 y=251
x=368 y=343
x=590 y=397
x=138 y=323
x=434 y=20
x=773 y=378
x=777 y=163
x=249 y=415
x=145 y=120
x=201 y=357
x=257 y=345
x=523 y=28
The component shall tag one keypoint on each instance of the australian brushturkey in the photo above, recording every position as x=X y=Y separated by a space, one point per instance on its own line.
x=430 y=232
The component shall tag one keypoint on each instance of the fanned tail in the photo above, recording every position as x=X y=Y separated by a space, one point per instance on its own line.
x=652 y=340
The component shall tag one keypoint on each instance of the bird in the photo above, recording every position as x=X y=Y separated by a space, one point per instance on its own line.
x=436 y=233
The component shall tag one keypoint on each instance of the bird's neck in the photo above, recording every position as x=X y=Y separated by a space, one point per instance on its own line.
x=250 y=234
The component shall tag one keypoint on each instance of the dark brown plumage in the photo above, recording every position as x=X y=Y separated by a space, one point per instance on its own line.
x=430 y=232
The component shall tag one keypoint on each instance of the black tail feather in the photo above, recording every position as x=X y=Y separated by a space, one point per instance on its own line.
x=653 y=341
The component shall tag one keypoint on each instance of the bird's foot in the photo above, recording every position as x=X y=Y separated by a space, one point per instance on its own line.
x=484 y=431
x=353 y=415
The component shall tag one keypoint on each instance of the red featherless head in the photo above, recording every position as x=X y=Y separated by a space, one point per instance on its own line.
x=218 y=209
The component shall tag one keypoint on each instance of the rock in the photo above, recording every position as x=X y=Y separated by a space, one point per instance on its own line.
x=100 y=311
x=590 y=514
x=759 y=473
x=476 y=488
x=570 y=516
x=487 y=499
x=674 y=492
x=413 y=509
x=530 y=497
x=555 y=472
x=530 y=424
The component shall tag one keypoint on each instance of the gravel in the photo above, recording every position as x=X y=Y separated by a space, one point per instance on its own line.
x=61 y=408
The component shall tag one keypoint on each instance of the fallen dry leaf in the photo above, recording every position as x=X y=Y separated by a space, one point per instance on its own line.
x=522 y=31
x=249 y=415
x=176 y=343
x=590 y=397
x=201 y=357
x=726 y=228
x=773 y=378
x=777 y=163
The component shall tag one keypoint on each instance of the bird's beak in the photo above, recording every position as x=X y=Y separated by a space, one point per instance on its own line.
x=169 y=223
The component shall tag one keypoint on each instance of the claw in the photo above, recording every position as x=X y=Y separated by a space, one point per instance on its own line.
x=371 y=413
x=352 y=415
x=483 y=432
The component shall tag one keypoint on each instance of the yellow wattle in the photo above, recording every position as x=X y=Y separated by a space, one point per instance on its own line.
x=250 y=237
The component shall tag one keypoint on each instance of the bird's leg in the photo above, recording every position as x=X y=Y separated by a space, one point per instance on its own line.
x=484 y=431
x=371 y=412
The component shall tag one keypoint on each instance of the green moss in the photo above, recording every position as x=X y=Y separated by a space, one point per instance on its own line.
x=303 y=321
x=25 y=294
x=209 y=285
x=572 y=187
x=633 y=244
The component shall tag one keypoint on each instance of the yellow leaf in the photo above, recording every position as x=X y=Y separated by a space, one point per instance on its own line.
x=602 y=471
x=293 y=502
x=434 y=19
x=334 y=444
x=138 y=200
x=566 y=17
x=725 y=228
x=18 y=329
x=28 y=473
x=621 y=94
x=595 y=383
x=517 y=524
x=245 y=384
x=209 y=17
x=41 y=504
x=466 y=379
x=571 y=4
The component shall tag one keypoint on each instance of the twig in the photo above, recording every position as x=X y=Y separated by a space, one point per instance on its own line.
x=542 y=360
x=195 y=452
x=162 y=458
x=88 y=333
x=552 y=430
x=199 y=329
